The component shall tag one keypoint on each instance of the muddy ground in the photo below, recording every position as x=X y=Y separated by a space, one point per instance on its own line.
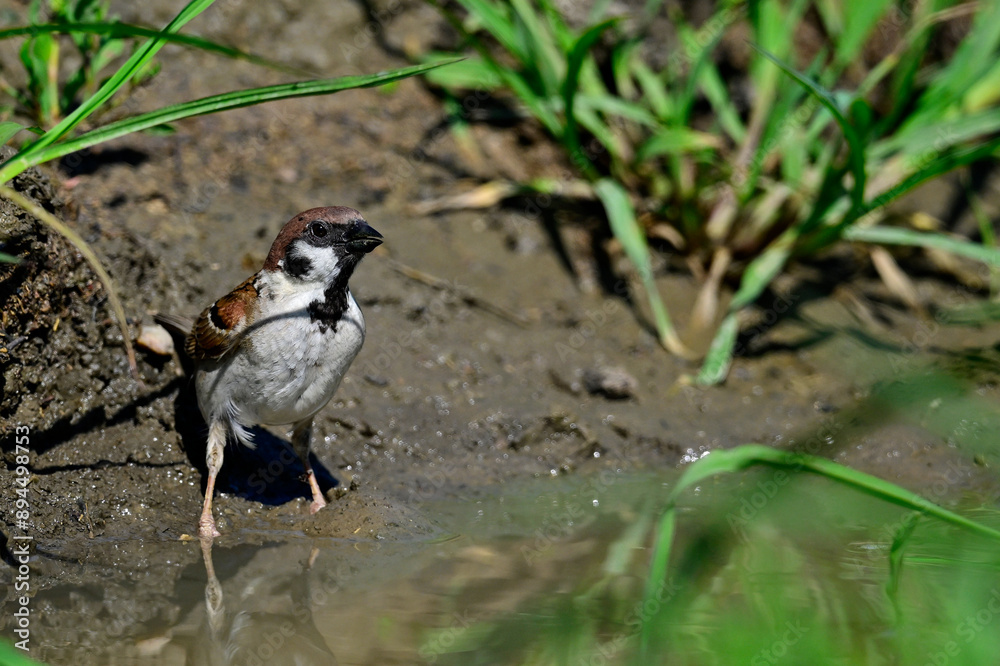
x=480 y=377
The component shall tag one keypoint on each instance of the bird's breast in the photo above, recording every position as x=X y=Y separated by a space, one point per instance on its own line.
x=289 y=366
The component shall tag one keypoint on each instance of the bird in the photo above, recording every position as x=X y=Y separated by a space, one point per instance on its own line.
x=274 y=350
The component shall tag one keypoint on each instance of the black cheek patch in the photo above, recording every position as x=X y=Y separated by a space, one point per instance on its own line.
x=297 y=265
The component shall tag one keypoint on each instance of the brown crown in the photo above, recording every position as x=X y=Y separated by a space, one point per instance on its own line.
x=297 y=225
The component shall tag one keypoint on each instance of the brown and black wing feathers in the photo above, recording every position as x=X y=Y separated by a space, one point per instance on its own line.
x=219 y=328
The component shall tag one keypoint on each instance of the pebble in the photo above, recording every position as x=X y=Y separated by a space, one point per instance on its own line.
x=612 y=382
x=156 y=339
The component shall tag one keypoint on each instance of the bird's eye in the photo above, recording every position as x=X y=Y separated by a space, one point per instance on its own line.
x=318 y=229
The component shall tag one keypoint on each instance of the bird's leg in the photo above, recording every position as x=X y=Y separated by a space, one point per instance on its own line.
x=301 y=442
x=213 y=459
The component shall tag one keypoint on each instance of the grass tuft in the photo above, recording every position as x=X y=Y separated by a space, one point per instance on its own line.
x=807 y=165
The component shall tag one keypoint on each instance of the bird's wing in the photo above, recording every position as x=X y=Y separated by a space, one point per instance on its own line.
x=220 y=327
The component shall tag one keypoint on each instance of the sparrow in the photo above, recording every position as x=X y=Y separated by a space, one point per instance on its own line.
x=274 y=350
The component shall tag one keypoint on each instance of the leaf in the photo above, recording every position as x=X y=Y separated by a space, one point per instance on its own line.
x=116 y=30
x=756 y=277
x=469 y=74
x=856 y=153
x=673 y=140
x=942 y=164
x=574 y=63
x=626 y=229
x=8 y=129
x=498 y=22
x=860 y=18
x=11 y=656
x=928 y=141
x=763 y=269
x=722 y=103
x=543 y=56
x=720 y=354
x=223 y=102
x=969 y=64
x=161 y=130
x=619 y=107
x=26 y=157
x=654 y=90
x=745 y=456
x=912 y=238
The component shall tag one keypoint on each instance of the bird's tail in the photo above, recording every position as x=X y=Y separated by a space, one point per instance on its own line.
x=177 y=325
x=179 y=328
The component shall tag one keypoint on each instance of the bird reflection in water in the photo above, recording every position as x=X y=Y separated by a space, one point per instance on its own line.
x=268 y=620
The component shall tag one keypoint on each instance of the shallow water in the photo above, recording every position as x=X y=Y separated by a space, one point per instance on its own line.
x=278 y=598
x=543 y=571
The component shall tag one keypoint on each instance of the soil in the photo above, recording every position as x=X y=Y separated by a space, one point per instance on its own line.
x=496 y=355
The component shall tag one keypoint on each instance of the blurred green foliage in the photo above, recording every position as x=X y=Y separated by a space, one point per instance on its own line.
x=746 y=171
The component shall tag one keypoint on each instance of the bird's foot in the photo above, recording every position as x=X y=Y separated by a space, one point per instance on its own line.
x=317 y=504
x=206 y=527
x=318 y=500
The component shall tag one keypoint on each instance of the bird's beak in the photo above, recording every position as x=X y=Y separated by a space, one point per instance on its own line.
x=361 y=238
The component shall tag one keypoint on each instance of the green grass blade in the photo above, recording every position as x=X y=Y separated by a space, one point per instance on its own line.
x=912 y=238
x=658 y=566
x=966 y=67
x=673 y=140
x=718 y=96
x=29 y=156
x=937 y=136
x=47 y=51
x=699 y=48
x=942 y=164
x=498 y=23
x=11 y=656
x=750 y=455
x=626 y=229
x=860 y=18
x=226 y=101
x=544 y=56
x=116 y=30
x=595 y=124
x=469 y=74
x=618 y=107
x=899 y=539
x=985 y=91
x=856 y=153
x=8 y=129
x=756 y=277
x=972 y=314
x=762 y=270
x=560 y=29
x=574 y=63
x=720 y=354
x=654 y=90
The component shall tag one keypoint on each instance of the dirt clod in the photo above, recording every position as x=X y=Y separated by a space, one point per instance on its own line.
x=614 y=383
